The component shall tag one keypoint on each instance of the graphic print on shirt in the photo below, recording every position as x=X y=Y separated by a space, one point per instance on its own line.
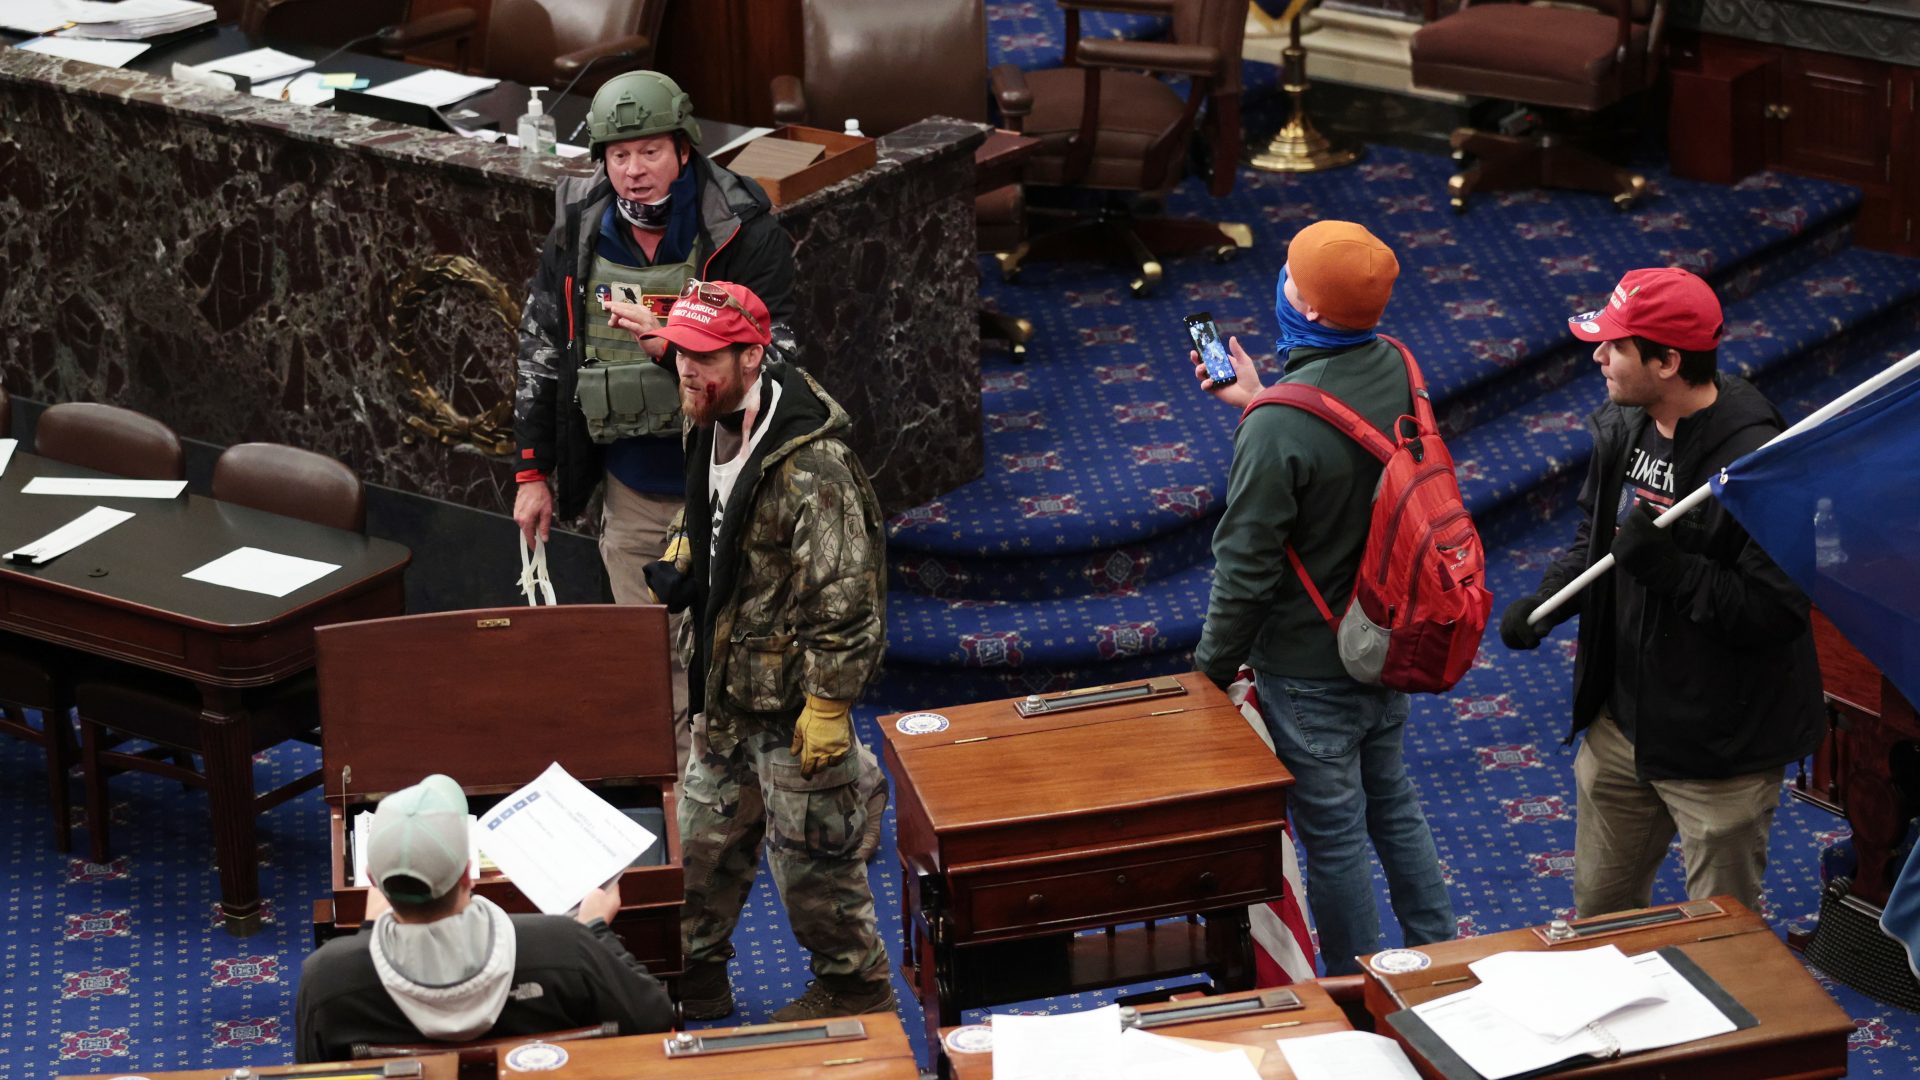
x=1649 y=474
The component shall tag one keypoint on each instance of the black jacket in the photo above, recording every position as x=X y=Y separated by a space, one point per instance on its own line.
x=580 y=976
x=739 y=241
x=1728 y=679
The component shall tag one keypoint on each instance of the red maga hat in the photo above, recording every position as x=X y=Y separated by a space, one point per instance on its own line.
x=711 y=315
x=1667 y=305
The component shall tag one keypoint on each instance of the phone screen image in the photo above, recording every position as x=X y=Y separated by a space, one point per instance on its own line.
x=1212 y=350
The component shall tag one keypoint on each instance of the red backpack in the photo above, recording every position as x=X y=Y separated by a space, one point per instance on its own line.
x=1420 y=601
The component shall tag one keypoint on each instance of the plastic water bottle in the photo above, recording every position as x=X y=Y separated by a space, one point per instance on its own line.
x=1827 y=551
x=853 y=128
x=536 y=127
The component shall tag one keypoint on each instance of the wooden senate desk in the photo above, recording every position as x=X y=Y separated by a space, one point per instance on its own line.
x=449 y=693
x=1801 y=1032
x=1256 y=1018
x=1023 y=822
x=872 y=1047
x=121 y=596
x=430 y=1067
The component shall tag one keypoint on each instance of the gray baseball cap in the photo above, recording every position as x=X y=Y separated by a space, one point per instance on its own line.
x=420 y=833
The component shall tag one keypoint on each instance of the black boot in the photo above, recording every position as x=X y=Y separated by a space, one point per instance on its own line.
x=705 y=991
x=838 y=995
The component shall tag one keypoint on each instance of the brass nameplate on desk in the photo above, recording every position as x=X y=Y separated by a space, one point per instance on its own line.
x=1565 y=931
x=1095 y=696
x=1210 y=1009
x=691 y=1044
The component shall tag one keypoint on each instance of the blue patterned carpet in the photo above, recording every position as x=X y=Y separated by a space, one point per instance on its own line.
x=1082 y=555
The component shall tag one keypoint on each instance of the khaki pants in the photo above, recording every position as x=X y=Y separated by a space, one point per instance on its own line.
x=1623 y=826
x=633 y=533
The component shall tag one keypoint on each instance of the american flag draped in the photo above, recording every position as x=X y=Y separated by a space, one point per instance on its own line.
x=1282 y=935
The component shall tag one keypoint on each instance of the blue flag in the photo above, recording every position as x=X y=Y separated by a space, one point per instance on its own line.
x=1858 y=474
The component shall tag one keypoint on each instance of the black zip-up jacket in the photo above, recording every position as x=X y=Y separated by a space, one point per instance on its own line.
x=739 y=241
x=1728 y=679
x=565 y=975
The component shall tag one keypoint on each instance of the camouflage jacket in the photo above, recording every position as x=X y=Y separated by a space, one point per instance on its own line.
x=792 y=600
x=739 y=241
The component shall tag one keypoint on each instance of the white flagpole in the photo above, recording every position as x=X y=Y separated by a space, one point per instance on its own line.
x=1699 y=494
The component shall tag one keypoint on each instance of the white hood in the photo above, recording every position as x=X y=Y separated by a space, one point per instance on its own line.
x=450 y=976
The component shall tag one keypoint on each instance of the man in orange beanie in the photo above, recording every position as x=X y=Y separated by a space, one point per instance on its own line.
x=1297 y=482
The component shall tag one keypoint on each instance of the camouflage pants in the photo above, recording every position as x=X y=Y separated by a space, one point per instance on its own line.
x=727 y=803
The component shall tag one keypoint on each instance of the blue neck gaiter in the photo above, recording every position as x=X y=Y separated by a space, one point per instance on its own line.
x=1297 y=331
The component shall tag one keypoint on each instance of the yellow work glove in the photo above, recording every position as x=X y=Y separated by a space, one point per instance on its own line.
x=823 y=735
x=679 y=556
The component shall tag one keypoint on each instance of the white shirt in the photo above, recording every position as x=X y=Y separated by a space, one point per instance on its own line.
x=721 y=476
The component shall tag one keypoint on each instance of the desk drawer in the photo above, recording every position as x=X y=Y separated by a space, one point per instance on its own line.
x=1073 y=894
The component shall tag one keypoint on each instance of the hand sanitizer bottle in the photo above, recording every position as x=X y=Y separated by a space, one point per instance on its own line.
x=853 y=128
x=536 y=127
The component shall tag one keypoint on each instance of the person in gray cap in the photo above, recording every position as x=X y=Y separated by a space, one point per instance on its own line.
x=439 y=963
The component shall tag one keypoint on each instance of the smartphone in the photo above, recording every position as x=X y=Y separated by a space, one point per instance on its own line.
x=1212 y=350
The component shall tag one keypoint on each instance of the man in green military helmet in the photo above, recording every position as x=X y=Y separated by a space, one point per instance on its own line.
x=592 y=400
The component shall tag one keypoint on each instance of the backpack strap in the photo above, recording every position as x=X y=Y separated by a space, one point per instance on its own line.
x=1416 y=385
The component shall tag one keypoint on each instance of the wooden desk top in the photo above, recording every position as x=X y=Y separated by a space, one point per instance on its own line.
x=1319 y=1016
x=1802 y=1032
x=1108 y=762
x=138 y=564
x=883 y=1055
x=432 y=1067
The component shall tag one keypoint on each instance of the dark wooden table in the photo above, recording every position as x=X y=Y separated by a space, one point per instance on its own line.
x=432 y=1067
x=882 y=1053
x=121 y=596
x=1801 y=1034
x=1318 y=1015
x=1019 y=832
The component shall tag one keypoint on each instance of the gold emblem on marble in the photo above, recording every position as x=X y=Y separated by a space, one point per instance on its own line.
x=490 y=432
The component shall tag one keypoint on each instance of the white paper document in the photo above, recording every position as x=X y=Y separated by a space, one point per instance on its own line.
x=1347 y=1055
x=308 y=88
x=1066 y=1046
x=1146 y=1056
x=1496 y=1046
x=434 y=87
x=556 y=840
x=105 y=487
x=1557 y=993
x=70 y=536
x=6 y=453
x=34 y=16
x=258 y=65
x=267 y=572
x=105 y=53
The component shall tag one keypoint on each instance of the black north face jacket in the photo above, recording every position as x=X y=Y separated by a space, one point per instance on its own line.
x=1729 y=683
x=739 y=241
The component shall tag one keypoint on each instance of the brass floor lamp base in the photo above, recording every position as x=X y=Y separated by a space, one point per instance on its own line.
x=1298 y=147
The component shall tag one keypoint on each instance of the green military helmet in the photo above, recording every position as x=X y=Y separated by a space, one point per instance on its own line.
x=638 y=104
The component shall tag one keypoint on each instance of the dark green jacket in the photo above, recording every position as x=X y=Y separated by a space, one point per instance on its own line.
x=1297 y=480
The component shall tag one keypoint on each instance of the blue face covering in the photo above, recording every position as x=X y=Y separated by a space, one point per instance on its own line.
x=1299 y=332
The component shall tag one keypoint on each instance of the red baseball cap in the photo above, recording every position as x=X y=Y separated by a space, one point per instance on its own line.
x=711 y=315
x=1668 y=305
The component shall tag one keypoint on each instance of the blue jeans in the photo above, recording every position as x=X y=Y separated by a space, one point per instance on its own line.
x=1342 y=741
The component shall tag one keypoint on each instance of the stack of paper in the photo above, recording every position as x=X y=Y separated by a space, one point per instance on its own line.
x=132 y=20
x=1533 y=1011
x=434 y=87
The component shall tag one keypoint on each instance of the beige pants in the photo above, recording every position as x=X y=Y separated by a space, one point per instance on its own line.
x=633 y=533
x=1623 y=826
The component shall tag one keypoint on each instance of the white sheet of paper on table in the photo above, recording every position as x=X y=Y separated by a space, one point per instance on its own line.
x=72 y=534
x=105 y=487
x=267 y=572
x=1555 y=994
x=105 y=53
x=307 y=88
x=1065 y=1046
x=258 y=65
x=556 y=839
x=1146 y=1056
x=6 y=453
x=34 y=16
x=433 y=87
x=1347 y=1055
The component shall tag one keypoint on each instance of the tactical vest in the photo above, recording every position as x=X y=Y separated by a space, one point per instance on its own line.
x=623 y=392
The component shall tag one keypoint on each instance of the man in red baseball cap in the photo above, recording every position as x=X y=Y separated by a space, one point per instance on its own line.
x=1695 y=680
x=784 y=581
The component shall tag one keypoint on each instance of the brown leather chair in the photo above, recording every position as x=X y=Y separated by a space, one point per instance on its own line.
x=111 y=440
x=889 y=64
x=1573 y=65
x=1108 y=122
x=549 y=42
x=333 y=23
x=164 y=711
